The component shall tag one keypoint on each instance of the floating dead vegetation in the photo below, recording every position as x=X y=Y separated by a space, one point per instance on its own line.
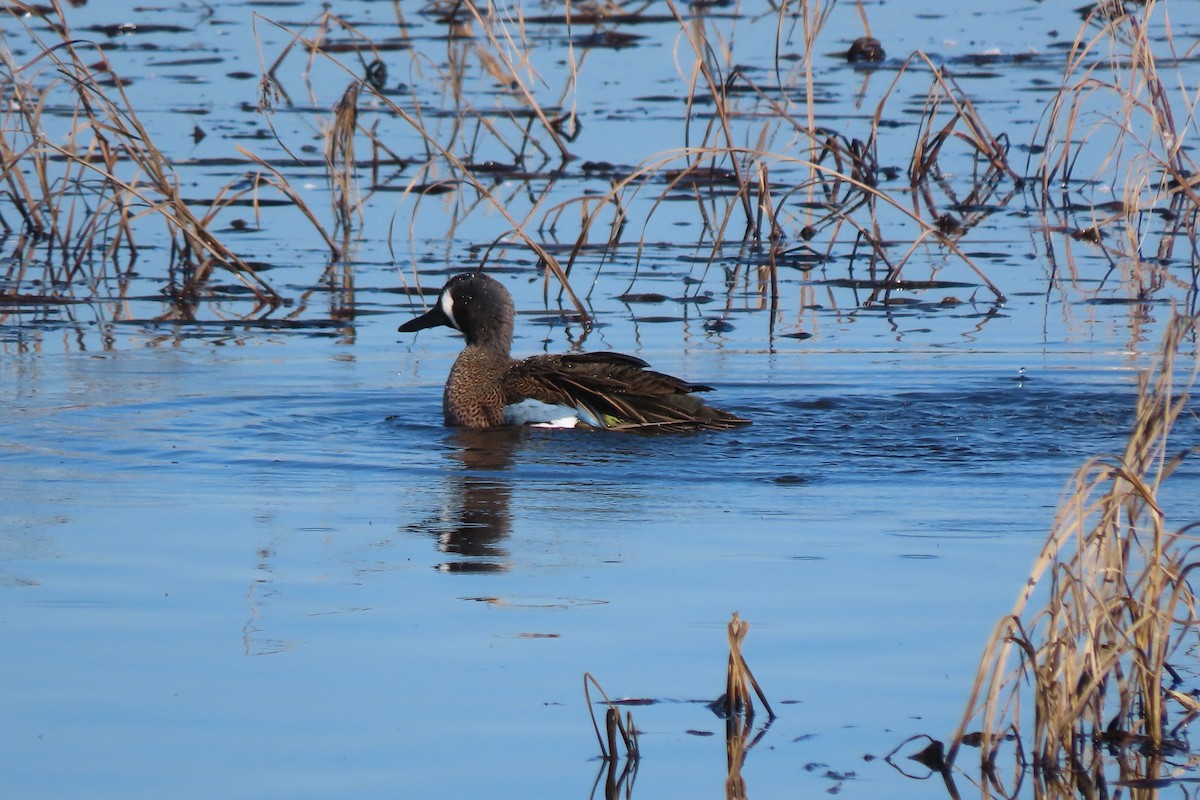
x=643 y=297
x=865 y=49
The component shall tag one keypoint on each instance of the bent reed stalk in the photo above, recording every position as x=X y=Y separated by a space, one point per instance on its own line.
x=766 y=179
x=1117 y=141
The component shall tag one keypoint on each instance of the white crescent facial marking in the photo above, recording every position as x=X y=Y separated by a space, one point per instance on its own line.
x=447 y=304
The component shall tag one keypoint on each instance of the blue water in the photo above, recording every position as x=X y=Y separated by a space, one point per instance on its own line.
x=242 y=556
x=282 y=576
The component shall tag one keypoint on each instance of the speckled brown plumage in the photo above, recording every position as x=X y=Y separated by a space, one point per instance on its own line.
x=614 y=390
x=475 y=394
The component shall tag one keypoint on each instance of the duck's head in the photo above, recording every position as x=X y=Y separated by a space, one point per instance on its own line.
x=476 y=305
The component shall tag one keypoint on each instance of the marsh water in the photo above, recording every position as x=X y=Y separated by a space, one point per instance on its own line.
x=240 y=555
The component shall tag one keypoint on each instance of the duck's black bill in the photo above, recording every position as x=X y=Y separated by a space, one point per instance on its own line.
x=430 y=319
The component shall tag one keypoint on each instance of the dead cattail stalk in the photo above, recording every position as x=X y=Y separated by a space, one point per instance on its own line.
x=505 y=57
x=959 y=121
x=718 y=91
x=64 y=209
x=275 y=178
x=339 y=160
x=739 y=678
x=503 y=49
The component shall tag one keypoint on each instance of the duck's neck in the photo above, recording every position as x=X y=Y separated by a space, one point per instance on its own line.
x=495 y=337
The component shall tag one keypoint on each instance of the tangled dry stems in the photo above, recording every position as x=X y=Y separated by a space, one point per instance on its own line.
x=79 y=201
x=1087 y=670
x=763 y=176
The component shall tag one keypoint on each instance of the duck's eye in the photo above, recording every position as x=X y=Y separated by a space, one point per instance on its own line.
x=447 y=304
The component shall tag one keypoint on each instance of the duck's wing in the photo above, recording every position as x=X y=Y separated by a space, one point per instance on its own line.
x=617 y=390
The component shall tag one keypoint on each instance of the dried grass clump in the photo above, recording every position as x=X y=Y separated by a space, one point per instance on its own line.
x=465 y=148
x=1089 y=672
x=1117 y=146
x=79 y=193
x=839 y=201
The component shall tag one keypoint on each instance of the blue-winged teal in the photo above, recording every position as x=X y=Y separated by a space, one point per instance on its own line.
x=487 y=387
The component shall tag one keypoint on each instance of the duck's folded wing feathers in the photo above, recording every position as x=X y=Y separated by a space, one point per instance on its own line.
x=616 y=389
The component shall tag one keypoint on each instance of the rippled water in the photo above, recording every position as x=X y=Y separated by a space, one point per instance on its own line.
x=243 y=557
x=281 y=575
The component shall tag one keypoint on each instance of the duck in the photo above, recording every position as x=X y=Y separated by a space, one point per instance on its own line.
x=488 y=388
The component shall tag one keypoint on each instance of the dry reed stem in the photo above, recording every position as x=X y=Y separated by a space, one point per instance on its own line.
x=442 y=151
x=855 y=165
x=339 y=161
x=1114 y=113
x=281 y=184
x=500 y=37
x=544 y=256
x=718 y=90
x=1141 y=94
x=508 y=59
x=1118 y=606
x=814 y=15
x=739 y=678
x=696 y=158
x=945 y=89
x=613 y=724
x=739 y=709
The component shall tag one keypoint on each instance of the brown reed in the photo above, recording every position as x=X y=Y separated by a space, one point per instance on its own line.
x=71 y=195
x=339 y=162
x=738 y=701
x=613 y=726
x=1117 y=609
x=1116 y=114
x=465 y=171
x=729 y=181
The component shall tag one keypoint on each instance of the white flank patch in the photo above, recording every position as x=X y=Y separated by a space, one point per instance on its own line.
x=447 y=304
x=565 y=422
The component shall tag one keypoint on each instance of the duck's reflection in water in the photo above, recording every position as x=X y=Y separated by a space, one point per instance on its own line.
x=476 y=518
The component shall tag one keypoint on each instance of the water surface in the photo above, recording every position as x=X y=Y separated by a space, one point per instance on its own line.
x=241 y=556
